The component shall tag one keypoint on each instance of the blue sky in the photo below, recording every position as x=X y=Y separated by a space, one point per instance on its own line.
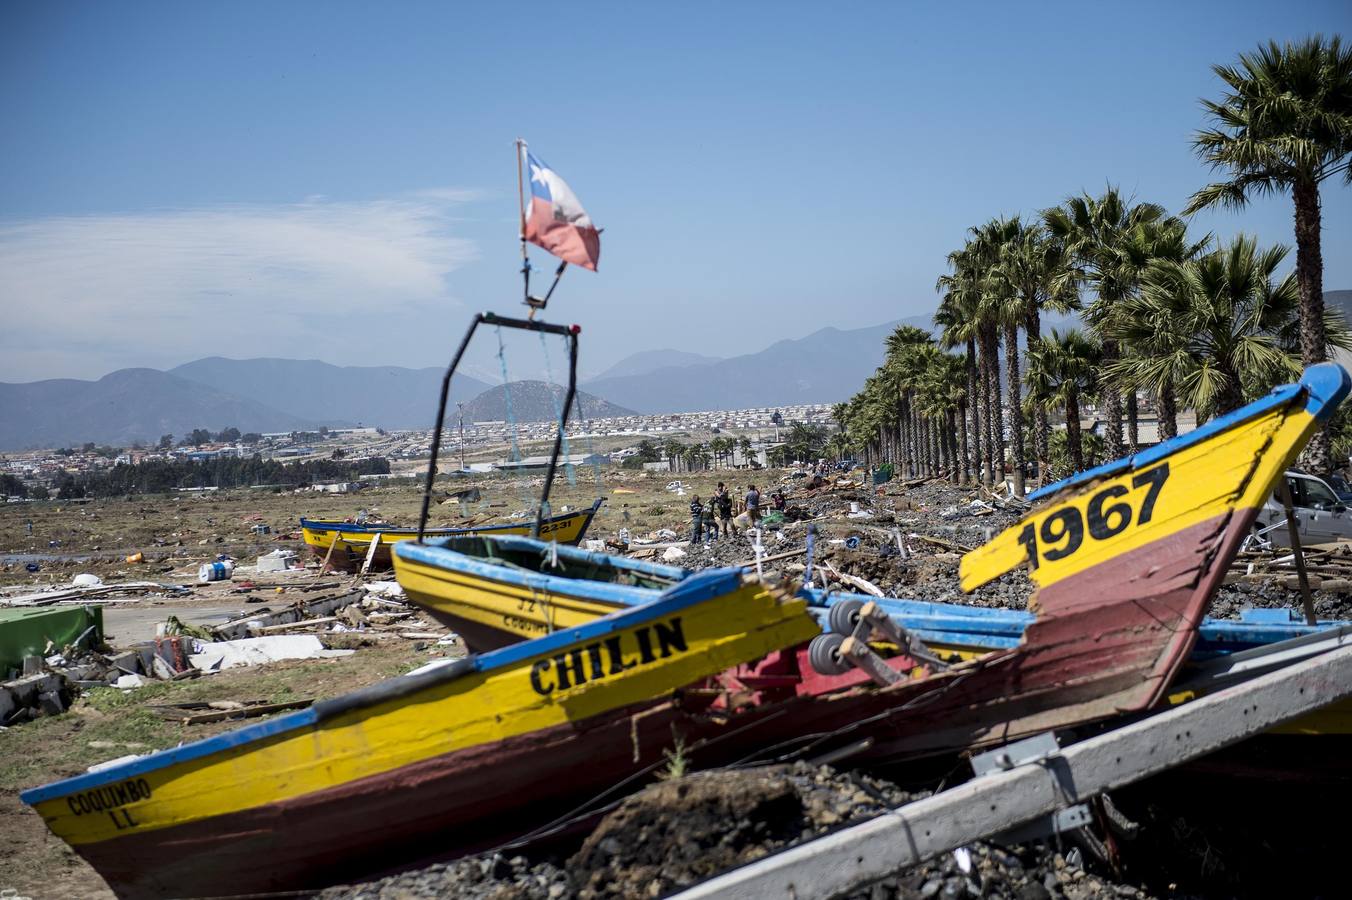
x=336 y=180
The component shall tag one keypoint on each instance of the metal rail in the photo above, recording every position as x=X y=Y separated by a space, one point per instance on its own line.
x=991 y=804
x=570 y=332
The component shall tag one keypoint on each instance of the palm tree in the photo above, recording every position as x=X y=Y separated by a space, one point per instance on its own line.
x=902 y=369
x=675 y=450
x=1040 y=269
x=1061 y=369
x=1285 y=123
x=744 y=444
x=1218 y=328
x=965 y=293
x=959 y=329
x=941 y=397
x=1095 y=231
x=839 y=445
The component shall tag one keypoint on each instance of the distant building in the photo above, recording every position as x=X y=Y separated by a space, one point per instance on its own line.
x=541 y=463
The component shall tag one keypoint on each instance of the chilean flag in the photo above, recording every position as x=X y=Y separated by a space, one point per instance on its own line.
x=557 y=220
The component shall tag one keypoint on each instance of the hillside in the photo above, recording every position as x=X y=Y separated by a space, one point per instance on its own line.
x=823 y=367
x=536 y=401
x=125 y=406
x=384 y=396
x=651 y=360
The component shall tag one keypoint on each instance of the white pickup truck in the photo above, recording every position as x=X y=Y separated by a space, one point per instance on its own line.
x=1320 y=516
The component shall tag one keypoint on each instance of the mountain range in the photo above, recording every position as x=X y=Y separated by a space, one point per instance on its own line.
x=271 y=394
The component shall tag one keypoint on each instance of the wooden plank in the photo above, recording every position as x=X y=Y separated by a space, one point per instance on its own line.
x=370 y=555
x=909 y=834
x=1293 y=532
x=324 y=566
x=220 y=715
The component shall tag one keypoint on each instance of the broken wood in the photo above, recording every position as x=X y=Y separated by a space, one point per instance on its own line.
x=238 y=710
x=940 y=542
x=1284 y=494
x=855 y=581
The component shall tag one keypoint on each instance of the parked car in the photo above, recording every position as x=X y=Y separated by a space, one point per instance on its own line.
x=1321 y=516
x=1341 y=487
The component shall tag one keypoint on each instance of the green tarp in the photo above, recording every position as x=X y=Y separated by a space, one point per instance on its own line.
x=27 y=632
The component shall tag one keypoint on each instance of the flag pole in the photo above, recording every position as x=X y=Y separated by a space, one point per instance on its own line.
x=521 y=209
x=558 y=273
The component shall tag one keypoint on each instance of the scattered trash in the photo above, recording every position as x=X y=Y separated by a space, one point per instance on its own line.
x=137 y=557
x=127 y=682
x=84 y=579
x=276 y=561
x=672 y=554
x=260 y=650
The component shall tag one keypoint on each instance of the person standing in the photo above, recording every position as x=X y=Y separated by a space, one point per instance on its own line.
x=724 y=500
x=696 y=519
x=711 y=519
x=753 y=505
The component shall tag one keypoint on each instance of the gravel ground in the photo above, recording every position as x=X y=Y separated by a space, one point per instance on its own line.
x=680 y=832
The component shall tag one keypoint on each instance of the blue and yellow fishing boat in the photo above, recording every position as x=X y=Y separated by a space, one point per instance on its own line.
x=496 y=591
x=403 y=770
x=345 y=544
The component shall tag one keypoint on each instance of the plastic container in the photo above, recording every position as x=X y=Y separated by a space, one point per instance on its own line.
x=216 y=571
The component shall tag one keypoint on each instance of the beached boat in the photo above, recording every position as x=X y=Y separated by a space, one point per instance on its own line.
x=495 y=591
x=1127 y=558
x=346 y=545
x=413 y=766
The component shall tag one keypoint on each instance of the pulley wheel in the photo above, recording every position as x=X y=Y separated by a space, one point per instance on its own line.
x=844 y=616
x=823 y=654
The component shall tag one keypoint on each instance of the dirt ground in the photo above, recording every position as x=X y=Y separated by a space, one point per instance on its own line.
x=175 y=535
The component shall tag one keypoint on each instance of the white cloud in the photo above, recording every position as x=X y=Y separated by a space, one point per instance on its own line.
x=161 y=287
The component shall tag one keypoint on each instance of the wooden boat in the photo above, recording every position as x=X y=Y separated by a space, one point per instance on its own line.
x=496 y=591
x=1127 y=558
x=417 y=764
x=350 y=543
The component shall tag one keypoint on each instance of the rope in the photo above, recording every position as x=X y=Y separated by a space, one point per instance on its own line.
x=558 y=412
x=569 y=470
x=511 y=416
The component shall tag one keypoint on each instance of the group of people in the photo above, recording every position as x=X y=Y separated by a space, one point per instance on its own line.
x=707 y=519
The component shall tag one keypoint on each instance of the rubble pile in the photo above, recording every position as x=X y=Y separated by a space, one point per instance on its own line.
x=47 y=678
x=682 y=831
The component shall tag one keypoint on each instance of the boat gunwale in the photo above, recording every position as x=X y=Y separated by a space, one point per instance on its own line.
x=443 y=558
x=699 y=588
x=448 y=531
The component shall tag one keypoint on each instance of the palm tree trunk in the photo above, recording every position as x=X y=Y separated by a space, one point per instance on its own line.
x=1112 y=409
x=1231 y=395
x=961 y=429
x=1168 y=412
x=1133 y=421
x=1015 y=410
x=922 y=429
x=1318 y=455
x=1073 y=446
x=1032 y=332
x=902 y=435
x=973 y=408
x=995 y=415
